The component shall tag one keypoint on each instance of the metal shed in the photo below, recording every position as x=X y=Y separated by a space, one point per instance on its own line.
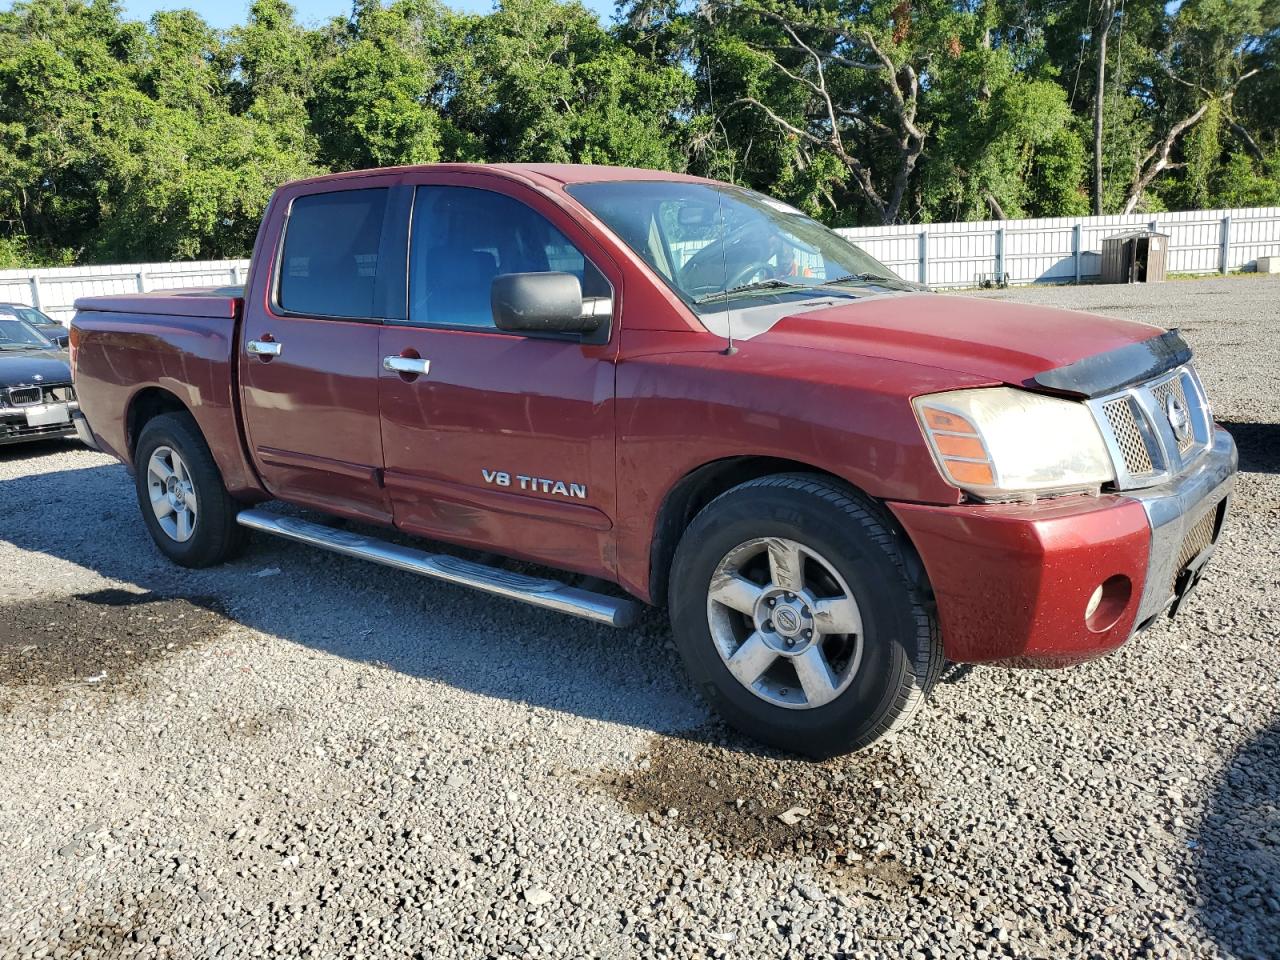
x=1137 y=256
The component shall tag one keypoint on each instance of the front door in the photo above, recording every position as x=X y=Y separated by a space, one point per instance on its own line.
x=493 y=439
x=309 y=352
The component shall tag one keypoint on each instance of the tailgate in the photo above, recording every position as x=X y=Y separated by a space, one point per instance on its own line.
x=222 y=303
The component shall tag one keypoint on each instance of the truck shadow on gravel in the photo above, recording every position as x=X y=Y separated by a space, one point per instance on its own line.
x=36 y=448
x=744 y=800
x=1258 y=443
x=1238 y=852
x=345 y=607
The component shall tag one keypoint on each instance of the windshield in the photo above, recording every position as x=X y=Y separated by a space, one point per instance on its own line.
x=713 y=244
x=32 y=315
x=17 y=334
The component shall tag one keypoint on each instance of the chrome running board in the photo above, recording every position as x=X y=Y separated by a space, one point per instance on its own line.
x=613 y=611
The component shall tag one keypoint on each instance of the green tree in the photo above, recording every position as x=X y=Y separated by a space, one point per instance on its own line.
x=376 y=99
x=1006 y=142
x=543 y=81
x=58 y=62
x=118 y=141
x=127 y=140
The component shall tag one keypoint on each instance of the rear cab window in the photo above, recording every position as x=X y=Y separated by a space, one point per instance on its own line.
x=329 y=255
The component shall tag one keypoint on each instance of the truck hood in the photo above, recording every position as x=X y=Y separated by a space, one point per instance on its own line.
x=21 y=368
x=997 y=340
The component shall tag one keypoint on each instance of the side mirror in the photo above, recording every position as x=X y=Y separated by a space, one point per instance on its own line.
x=543 y=303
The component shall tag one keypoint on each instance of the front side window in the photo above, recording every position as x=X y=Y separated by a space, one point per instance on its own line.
x=329 y=262
x=464 y=237
x=713 y=243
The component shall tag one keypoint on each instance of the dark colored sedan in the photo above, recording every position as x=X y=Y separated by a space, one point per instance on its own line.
x=50 y=327
x=36 y=395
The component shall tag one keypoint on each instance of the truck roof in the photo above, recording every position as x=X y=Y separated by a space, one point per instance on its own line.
x=544 y=173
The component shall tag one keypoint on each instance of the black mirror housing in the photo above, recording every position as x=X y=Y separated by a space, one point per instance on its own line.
x=545 y=302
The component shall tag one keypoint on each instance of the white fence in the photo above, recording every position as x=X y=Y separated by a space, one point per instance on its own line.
x=55 y=289
x=1061 y=250
x=1066 y=249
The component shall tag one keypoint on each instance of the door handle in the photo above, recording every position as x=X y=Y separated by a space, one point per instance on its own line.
x=264 y=348
x=411 y=365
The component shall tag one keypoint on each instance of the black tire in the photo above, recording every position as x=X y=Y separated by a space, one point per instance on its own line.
x=901 y=656
x=215 y=536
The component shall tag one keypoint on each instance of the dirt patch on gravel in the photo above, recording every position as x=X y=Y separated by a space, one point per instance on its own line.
x=132 y=926
x=748 y=803
x=98 y=639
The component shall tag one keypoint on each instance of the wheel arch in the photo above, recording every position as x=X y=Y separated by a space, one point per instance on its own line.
x=144 y=406
x=700 y=486
x=217 y=426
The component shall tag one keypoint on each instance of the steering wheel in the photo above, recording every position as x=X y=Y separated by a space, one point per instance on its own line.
x=749 y=272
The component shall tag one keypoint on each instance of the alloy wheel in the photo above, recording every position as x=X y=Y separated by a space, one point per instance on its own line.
x=785 y=622
x=173 y=495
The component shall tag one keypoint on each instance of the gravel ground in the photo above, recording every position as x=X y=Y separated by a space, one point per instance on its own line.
x=302 y=755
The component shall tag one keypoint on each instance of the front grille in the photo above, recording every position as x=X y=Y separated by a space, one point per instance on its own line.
x=1162 y=392
x=1140 y=433
x=24 y=396
x=47 y=393
x=1124 y=424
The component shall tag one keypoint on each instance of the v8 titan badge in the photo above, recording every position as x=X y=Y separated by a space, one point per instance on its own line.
x=559 y=488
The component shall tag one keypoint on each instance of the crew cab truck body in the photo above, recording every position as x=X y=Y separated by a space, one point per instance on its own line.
x=835 y=480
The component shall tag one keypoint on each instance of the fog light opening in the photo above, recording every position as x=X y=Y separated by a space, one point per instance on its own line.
x=1107 y=603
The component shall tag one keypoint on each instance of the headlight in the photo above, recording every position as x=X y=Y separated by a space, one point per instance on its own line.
x=999 y=442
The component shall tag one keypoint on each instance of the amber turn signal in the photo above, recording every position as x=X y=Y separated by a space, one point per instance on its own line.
x=959 y=447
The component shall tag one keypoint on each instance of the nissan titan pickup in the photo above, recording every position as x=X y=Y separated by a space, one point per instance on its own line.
x=635 y=387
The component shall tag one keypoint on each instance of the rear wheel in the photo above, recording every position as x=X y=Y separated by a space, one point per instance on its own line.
x=801 y=617
x=184 y=503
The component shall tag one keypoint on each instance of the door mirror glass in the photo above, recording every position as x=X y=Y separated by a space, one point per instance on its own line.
x=544 y=302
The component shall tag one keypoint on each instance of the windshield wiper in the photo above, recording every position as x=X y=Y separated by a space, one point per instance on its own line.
x=769 y=284
x=864 y=277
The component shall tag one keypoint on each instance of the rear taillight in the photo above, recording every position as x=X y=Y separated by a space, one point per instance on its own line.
x=73 y=346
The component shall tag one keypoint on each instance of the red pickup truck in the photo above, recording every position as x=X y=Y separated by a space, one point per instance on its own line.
x=677 y=392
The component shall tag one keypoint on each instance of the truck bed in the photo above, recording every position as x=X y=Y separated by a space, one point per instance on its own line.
x=222 y=303
x=175 y=349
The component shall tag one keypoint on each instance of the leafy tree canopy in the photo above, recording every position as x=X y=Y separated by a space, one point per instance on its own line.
x=122 y=140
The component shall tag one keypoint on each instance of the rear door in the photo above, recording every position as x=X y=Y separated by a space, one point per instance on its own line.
x=309 y=350
x=504 y=441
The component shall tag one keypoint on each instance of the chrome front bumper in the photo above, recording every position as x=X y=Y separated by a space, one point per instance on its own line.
x=1174 y=510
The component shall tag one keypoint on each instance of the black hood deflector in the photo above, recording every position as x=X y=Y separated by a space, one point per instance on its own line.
x=1114 y=370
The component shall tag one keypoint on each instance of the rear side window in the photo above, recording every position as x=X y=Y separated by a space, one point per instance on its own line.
x=329 y=264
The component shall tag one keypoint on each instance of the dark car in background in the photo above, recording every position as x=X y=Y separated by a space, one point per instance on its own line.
x=36 y=395
x=48 y=326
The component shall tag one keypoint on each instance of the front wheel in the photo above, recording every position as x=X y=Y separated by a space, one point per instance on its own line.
x=184 y=503
x=799 y=614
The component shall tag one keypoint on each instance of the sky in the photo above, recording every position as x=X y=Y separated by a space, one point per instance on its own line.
x=228 y=13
